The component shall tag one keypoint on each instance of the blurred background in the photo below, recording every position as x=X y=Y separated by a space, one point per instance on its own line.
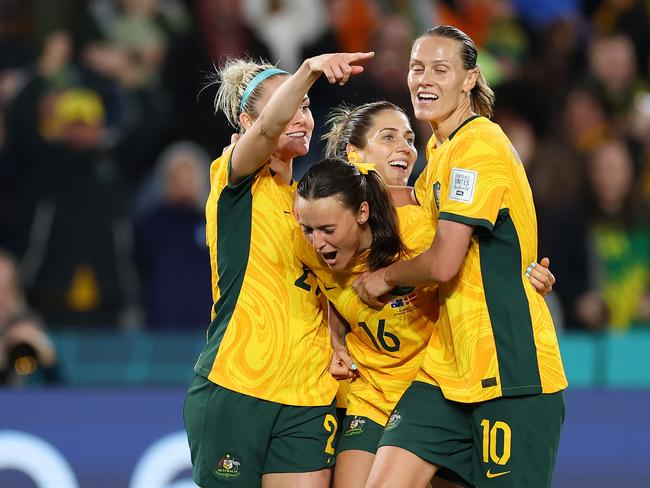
x=106 y=137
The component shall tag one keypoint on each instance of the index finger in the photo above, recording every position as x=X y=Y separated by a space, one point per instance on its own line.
x=355 y=57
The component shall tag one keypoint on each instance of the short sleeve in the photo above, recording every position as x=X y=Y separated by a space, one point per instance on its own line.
x=477 y=184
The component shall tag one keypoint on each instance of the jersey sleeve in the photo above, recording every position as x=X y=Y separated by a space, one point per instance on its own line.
x=477 y=184
x=303 y=250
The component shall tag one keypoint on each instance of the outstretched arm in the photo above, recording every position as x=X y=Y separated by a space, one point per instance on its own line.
x=261 y=138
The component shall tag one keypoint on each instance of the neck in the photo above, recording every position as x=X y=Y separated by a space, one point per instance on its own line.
x=282 y=168
x=442 y=128
x=365 y=241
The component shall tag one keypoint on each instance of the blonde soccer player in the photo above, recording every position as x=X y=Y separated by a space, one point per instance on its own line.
x=260 y=411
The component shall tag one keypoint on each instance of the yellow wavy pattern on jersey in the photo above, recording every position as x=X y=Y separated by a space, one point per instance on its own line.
x=276 y=346
x=501 y=185
x=384 y=373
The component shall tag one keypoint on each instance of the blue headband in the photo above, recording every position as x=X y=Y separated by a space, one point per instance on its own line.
x=257 y=79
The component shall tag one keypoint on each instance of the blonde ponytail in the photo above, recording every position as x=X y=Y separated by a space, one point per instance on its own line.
x=233 y=78
x=482 y=97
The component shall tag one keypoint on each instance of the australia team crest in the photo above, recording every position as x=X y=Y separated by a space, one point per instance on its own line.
x=227 y=466
x=356 y=427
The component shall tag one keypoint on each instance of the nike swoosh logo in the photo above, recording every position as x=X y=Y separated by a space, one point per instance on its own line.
x=495 y=475
x=328 y=288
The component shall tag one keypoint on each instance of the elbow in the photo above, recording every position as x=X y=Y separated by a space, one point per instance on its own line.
x=444 y=272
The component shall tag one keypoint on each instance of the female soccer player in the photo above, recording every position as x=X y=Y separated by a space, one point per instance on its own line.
x=259 y=411
x=499 y=409
x=379 y=132
x=351 y=226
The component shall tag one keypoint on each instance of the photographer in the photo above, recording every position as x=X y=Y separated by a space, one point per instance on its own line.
x=25 y=349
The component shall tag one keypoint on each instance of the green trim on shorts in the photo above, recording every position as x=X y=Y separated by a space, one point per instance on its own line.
x=359 y=433
x=235 y=439
x=508 y=442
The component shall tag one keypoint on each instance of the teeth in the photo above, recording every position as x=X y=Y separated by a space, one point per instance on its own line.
x=296 y=134
x=427 y=96
x=399 y=164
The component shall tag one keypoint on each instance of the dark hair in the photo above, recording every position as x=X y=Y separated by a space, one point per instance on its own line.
x=336 y=177
x=350 y=125
x=482 y=96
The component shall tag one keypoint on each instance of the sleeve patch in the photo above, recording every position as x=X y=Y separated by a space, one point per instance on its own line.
x=461 y=187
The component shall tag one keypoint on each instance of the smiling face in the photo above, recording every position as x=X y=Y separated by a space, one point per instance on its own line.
x=390 y=146
x=295 y=140
x=437 y=80
x=336 y=232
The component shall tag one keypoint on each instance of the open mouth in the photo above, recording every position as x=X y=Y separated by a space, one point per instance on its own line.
x=297 y=134
x=399 y=164
x=427 y=97
x=329 y=257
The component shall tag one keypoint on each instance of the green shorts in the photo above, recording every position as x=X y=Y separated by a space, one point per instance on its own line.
x=235 y=439
x=506 y=442
x=359 y=433
x=340 y=418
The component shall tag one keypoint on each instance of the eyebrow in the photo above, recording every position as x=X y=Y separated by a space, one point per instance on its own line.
x=395 y=130
x=320 y=227
x=435 y=61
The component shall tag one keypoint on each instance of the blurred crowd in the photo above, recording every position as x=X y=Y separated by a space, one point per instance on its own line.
x=106 y=136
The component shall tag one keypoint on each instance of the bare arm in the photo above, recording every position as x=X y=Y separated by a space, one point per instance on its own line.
x=342 y=365
x=260 y=139
x=439 y=263
x=402 y=195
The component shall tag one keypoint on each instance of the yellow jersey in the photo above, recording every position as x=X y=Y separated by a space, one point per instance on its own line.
x=386 y=344
x=491 y=318
x=267 y=338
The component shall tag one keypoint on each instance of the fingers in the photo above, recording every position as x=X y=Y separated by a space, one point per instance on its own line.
x=339 y=68
x=362 y=288
x=540 y=277
x=347 y=359
x=342 y=366
x=358 y=56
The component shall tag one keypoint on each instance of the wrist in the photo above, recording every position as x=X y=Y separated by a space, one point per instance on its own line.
x=388 y=278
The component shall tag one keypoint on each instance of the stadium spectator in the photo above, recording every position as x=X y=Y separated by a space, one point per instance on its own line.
x=78 y=263
x=171 y=253
x=601 y=247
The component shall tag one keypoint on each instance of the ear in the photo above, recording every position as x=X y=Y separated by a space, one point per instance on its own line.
x=245 y=120
x=364 y=213
x=350 y=148
x=470 y=80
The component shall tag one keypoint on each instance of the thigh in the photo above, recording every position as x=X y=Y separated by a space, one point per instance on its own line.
x=359 y=433
x=352 y=468
x=302 y=440
x=228 y=433
x=394 y=466
x=517 y=440
x=434 y=429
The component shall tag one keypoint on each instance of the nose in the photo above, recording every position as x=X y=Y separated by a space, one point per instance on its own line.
x=298 y=118
x=426 y=79
x=404 y=147
x=317 y=240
